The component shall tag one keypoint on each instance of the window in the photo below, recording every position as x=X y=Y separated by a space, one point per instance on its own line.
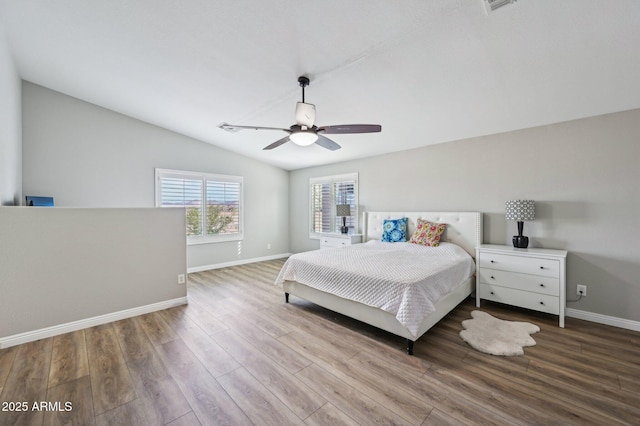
x=213 y=203
x=325 y=194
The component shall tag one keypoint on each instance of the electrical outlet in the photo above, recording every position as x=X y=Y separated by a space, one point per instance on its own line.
x=581 y=290
x=181 y=279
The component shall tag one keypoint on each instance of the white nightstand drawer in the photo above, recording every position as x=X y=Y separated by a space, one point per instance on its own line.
x=521 y=264
x=334 y=242
x=526 y=282
x=524 y=299
x=339 y=240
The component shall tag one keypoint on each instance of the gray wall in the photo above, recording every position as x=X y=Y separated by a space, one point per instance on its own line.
x=584 y=176
x=65 y=265
x=88 y=156
x=10 y=128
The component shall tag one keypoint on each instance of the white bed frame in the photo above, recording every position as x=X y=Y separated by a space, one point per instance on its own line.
x=463 y=229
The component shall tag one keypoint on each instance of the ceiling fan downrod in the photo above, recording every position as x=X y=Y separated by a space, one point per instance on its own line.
x=304 y=82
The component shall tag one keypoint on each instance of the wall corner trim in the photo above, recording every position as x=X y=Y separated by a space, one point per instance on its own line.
x=603 y=319
x=30 y=336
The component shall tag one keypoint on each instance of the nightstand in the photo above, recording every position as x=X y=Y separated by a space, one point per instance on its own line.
x=531 y=278
x=339 y=240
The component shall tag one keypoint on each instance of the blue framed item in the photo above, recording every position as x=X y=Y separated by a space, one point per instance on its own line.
x=39 y=201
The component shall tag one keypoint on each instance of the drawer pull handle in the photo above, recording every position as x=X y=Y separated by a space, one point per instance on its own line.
x=542 y=267
x=492 y=293
x=493 y=261
x=542 y=303
x=541 y=285
x=492 y=277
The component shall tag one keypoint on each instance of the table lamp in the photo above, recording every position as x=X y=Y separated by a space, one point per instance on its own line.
x=520 y=210
x=343 y=210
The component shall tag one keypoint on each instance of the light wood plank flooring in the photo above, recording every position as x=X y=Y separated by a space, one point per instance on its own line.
x=238 y=355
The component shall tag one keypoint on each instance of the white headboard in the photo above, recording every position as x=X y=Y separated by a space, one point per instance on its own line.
x=463 y=228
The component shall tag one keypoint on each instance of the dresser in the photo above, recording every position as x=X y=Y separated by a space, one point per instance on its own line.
x=339 y=240
x=531 y=278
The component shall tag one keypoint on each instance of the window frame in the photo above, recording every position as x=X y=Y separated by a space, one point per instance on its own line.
x=204 y=178
x=334 y=179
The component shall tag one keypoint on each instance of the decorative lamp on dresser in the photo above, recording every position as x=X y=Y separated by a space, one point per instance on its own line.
x=329 y=240
x=532 y=278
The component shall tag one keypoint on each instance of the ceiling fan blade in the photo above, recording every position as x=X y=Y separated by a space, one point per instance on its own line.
x=277 y=143
x=327 y=143
x=234 y=128
x=350 y=128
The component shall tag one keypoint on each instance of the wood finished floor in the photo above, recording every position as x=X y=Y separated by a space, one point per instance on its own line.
x=238 y=355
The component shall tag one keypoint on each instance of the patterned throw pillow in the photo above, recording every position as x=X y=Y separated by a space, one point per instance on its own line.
x=394 y=230
x=428 y=233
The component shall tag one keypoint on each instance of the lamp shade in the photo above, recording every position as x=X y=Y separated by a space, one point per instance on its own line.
x=520 y=210
x=343 y=210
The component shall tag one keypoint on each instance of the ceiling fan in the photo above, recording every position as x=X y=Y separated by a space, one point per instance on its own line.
x=305 y=132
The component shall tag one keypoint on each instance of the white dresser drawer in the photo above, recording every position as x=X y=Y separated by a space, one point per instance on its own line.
x=526 y=282
x=532 y=278
x=524 y=299
x=521 y=264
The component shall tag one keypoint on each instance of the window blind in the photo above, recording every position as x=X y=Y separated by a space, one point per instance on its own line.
x=212 y=203
x=325 y=194
x=223 y=207
x=187 y=193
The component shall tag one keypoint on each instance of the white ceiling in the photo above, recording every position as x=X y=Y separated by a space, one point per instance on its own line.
x=428 y=71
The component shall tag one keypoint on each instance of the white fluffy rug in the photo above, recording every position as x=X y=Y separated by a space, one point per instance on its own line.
x=497 y=337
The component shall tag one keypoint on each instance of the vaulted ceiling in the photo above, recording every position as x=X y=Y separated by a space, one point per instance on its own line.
x=428 y=71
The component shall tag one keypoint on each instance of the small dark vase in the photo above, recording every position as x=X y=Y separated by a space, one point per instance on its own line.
x=520 y=241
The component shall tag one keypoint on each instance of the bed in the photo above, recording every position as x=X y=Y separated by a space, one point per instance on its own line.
x=464 y=231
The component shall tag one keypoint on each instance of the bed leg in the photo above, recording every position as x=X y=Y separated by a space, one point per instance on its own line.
x=409 y=347
x=286 y=298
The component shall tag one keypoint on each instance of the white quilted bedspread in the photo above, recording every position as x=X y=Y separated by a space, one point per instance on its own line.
x=403 y=279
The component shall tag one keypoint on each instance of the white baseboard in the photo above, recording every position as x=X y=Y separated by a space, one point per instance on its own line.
x=30 y=336
x=603 y=319
x=236 y=262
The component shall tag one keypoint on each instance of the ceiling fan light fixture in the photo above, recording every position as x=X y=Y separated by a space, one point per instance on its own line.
x=305 y=132
x=303 y=138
